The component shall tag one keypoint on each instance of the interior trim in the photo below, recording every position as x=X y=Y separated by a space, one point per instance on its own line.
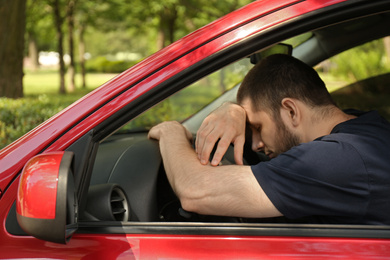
x=285 y=230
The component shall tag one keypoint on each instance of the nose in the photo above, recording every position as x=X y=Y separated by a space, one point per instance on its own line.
x=257 y=143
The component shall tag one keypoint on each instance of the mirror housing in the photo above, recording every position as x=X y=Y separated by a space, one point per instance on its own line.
x=46 y=205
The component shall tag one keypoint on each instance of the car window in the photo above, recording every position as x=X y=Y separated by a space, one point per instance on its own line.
x=359 y=78
x=130 y=164
x=127 y=164
x=191 y=99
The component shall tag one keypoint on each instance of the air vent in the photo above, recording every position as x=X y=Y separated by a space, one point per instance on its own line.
x=119 y=205
x=107 y=202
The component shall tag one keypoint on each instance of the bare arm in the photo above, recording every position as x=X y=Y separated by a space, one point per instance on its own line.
x=223 y=190
x=226 y=124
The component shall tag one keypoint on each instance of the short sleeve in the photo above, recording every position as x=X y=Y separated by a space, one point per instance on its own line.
x=325 y=178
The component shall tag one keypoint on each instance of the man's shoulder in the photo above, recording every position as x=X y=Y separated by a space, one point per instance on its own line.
x=365 y=122
x=318 y=159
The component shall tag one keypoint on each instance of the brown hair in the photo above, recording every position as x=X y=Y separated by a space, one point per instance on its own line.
x=279 y=76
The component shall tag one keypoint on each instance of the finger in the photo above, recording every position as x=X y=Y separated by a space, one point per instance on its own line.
x=222 y=147
x=201 y=137
x=201 y=133
x=208 y=145
x=204 y=130
x=239 y=150
x=153 y=133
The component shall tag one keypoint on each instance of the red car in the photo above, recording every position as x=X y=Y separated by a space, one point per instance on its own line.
x=88 y=183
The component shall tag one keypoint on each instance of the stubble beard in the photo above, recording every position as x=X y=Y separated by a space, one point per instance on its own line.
x=287 y=139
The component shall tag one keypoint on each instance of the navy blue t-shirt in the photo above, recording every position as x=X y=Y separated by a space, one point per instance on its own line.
x=343 y=177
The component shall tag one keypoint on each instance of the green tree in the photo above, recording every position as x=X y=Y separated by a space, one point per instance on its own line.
x=12 y=28
x=39 y=30
x=70 y=18
x=361 y=62
x=57 y=6
x=172 y=19
x=112 y=26
x=45 y=22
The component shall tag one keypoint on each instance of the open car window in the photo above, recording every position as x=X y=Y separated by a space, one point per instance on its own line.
x=191 y=99
x=359 y=78
x=128 y=165
x=128 y=168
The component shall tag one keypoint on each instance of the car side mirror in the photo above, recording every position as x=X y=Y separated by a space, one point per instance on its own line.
x=46 y=205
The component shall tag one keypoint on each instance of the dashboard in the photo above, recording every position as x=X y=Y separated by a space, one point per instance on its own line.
x=133 y=162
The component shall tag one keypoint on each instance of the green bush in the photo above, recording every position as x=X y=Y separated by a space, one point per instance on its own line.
x=19 y=116
x=165 y=111
x=103 y=65
x=361 y=62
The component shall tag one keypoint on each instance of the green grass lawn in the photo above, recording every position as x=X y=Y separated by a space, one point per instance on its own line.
x=47 y=82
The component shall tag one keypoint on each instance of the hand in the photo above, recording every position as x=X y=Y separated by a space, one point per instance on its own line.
x=226 y=124
x=171 y=128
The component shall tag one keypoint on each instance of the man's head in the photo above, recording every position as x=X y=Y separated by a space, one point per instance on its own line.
x=281 y=76
x=276 y=93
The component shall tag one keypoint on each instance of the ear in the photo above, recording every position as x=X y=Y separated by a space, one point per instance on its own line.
x=290 y=112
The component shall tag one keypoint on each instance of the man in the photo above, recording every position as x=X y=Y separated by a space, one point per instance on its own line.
x=326 y=165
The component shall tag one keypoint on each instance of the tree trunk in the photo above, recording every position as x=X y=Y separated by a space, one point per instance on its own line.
x=12 y=27
x=166 y=34
x=33 y=52
x=71 y=68
x=82 y=54
x=60 y=36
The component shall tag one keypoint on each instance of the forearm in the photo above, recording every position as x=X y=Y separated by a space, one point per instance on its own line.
x=180 y=163
x=223 y=190
x=205 y=189
x=192 y=182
